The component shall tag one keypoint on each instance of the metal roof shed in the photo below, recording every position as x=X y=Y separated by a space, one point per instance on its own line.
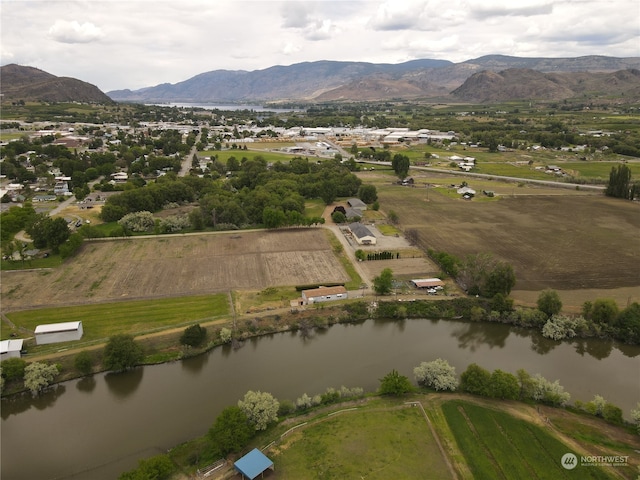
x=253 y=464
x=58 y=332
x=10 y=349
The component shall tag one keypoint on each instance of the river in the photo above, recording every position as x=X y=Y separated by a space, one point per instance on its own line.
x=97 y=427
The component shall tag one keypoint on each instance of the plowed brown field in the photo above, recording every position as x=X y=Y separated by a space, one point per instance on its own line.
x=564 y=241
x=177 y=265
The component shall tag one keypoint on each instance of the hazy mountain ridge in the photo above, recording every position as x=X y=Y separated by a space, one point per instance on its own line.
x=485 y=79
x=354 y=81
x=32 y=84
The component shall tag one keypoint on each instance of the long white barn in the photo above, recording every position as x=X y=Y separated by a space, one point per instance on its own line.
x=58 y=332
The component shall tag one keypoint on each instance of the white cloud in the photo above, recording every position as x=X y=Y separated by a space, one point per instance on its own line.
x=522 y=8
x=74 y=32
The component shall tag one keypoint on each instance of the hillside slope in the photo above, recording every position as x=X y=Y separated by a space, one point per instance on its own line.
x=31 y=84
x=524 y=84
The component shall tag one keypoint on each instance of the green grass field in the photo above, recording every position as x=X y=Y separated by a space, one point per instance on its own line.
x=223 y=155
x=371 y=444
x=103 y=320
x=498 y=445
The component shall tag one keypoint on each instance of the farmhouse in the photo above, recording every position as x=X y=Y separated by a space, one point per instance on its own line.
x=324 y=294
x=10 y=349
x=362 y=234
x=58 y=332
x=427 y=283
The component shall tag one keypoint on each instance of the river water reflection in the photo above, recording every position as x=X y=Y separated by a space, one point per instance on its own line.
x=97 y=427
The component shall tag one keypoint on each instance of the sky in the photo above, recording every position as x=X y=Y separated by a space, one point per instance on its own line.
x=133 y=44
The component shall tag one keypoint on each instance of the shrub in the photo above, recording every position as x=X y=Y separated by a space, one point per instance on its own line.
x=193 y=335
x=437 y=374
x=83 y=362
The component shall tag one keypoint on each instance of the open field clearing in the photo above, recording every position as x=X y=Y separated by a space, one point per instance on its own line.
x=371 y=444
x=498 y=445
x=100 y=321
x=559 y=239
x=151 y=267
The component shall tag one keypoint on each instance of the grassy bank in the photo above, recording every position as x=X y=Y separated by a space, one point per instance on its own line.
x=387 y=437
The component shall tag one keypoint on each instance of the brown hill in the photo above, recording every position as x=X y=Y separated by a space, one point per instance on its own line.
x=524 y=84
x=31 y=84
x=383 y=87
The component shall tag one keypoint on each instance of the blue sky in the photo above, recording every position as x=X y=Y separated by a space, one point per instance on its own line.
x=138 y=43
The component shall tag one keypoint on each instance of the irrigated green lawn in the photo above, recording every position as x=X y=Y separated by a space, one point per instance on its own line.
x=371 y=444
x=498 y=445
x=101 y=321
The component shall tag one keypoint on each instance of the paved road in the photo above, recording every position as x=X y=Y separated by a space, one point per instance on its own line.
x=548 y=183
x=186 y=163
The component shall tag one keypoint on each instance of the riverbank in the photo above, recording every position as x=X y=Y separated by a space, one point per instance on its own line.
x=164 y=345
x=384 y=431
x=162 y=406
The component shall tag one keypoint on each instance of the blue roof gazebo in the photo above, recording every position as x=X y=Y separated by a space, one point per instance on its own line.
x=253 y=464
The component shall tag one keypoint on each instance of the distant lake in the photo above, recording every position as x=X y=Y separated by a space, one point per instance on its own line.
x=235 y=107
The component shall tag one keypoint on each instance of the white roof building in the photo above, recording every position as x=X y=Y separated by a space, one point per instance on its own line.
x=10 y=348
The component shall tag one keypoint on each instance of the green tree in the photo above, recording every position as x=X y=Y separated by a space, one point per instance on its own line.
x=368 y=193
x=48 y=232
x=231 y=431
x=273 y=217
x=13 y=368
x=83 y=362
x=122 y=353
x=193 y=335
x=328 y=192
x=549 y=302
x=628 y=324
x=383 y=283
x=604 y=311
x=72 y=245
x=338 y=217
x=394 y=384
x=38 y=376
x=261 y=408
x=475 y=379
x=57 y=233
x=503 y=385
x=159 y=467
x=400 y=164
x=619 y=185
x=500 y=279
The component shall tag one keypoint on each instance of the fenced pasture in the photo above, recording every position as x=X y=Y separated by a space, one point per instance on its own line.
x=560 y=239
x=498 y=445
x=171 y=266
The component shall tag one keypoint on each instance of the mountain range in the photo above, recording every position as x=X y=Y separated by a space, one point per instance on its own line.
x=492 y=78
x=326 y=81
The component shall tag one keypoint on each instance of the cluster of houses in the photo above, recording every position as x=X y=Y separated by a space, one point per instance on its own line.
x=464 y=163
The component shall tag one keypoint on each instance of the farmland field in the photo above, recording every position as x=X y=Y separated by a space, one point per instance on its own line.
x=152 y=267
x=553 y=238
x=369 y=444
x=498 y=445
